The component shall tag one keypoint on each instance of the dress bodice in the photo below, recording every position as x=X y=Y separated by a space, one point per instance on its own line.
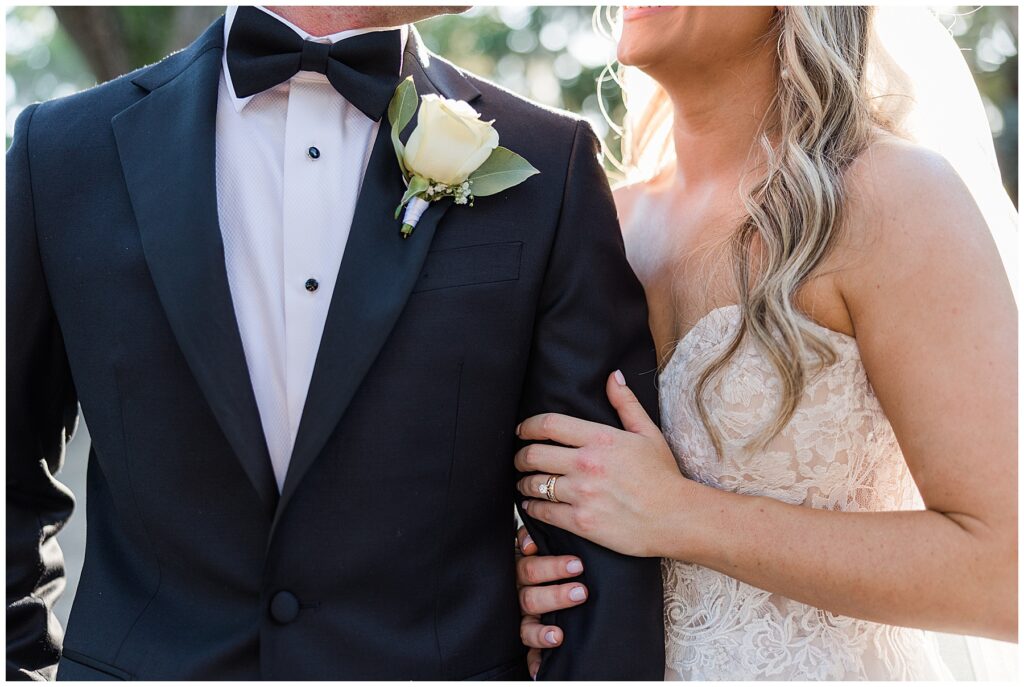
x=838 y=451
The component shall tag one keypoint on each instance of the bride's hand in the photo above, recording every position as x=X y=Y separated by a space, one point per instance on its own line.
x=532 y=571
x=619 y=488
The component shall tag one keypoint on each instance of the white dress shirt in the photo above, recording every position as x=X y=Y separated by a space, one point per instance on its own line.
x=289 y=164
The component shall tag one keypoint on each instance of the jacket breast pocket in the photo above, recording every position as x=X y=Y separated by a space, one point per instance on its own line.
x=467 y=265
x=74 y=666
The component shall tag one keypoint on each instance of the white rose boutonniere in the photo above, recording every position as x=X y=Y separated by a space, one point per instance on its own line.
x=451 y=152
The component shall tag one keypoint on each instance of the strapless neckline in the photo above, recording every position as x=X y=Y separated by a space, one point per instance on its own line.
x=720 y=311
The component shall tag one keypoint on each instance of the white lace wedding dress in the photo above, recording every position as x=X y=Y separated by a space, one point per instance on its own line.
x=837 y=452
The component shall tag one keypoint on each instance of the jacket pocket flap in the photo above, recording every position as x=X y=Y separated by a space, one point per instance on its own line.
x=483 y=264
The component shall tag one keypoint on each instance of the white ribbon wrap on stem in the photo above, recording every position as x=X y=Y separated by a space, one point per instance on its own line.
x=414 y=210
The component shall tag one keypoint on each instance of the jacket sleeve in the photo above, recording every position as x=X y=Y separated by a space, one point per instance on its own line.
x=41 y=415
x=592 y=320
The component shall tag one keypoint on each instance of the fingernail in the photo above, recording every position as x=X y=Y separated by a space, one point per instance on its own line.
x=574 y=566
x=577 y=594
x=526 y=505
x=550 y=637
x=620 y=378
x=517 y=428
x=527 y=540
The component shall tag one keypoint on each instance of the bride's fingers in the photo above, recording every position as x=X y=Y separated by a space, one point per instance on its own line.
x=557 y=514
x=544 y=458
x=564 y=429
x=533 y=662
x=531 y=486
x=540 y=600
x=537 y=635
x=527 y=546
x=633 y=416
x=542 y=569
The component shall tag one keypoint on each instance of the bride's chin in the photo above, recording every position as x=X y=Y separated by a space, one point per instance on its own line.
x=638 y=59
x=637 y=49
x=628 y=55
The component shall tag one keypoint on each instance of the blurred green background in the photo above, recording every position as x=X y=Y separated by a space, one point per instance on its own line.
x=551 y=54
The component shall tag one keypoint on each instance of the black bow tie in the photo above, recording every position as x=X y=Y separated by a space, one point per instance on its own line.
x=262 y=52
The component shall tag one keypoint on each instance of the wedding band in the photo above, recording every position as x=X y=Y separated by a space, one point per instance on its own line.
x=547 y=489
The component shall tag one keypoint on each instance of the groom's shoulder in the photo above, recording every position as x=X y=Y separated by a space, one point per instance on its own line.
x=84 y=117
x=498 y=97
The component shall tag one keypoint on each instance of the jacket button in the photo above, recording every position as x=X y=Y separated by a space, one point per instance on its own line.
x=284 y=607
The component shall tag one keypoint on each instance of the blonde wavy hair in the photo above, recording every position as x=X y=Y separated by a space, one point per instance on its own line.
x=820 y=120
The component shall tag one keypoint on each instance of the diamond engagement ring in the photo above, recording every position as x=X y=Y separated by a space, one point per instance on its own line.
x=547 y=489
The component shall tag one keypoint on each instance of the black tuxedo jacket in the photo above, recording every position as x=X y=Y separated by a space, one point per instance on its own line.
x=389 y=551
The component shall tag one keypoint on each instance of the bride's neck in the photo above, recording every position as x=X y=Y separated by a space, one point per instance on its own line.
x=718 y=113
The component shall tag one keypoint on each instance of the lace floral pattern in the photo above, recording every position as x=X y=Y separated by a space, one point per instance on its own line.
x=837 y=452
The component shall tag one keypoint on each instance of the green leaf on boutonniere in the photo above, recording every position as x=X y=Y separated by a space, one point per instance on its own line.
x=417 y=185
x=503 y=169
x=400 y=111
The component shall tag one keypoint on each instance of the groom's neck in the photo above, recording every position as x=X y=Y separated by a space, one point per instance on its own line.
x=325 y=20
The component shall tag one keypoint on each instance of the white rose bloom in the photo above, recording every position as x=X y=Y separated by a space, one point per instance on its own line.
x=449 y=141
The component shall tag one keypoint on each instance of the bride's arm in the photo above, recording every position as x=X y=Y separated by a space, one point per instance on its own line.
x=937 y=330
x=936 y=326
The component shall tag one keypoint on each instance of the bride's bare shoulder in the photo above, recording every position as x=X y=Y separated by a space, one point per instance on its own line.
x=896 y=180
x=907 y=208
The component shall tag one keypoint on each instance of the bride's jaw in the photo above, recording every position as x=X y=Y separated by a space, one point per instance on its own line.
x=661 y=40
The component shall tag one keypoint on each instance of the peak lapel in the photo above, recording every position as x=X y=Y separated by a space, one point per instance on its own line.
x=377 y=274
x=166 y=145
